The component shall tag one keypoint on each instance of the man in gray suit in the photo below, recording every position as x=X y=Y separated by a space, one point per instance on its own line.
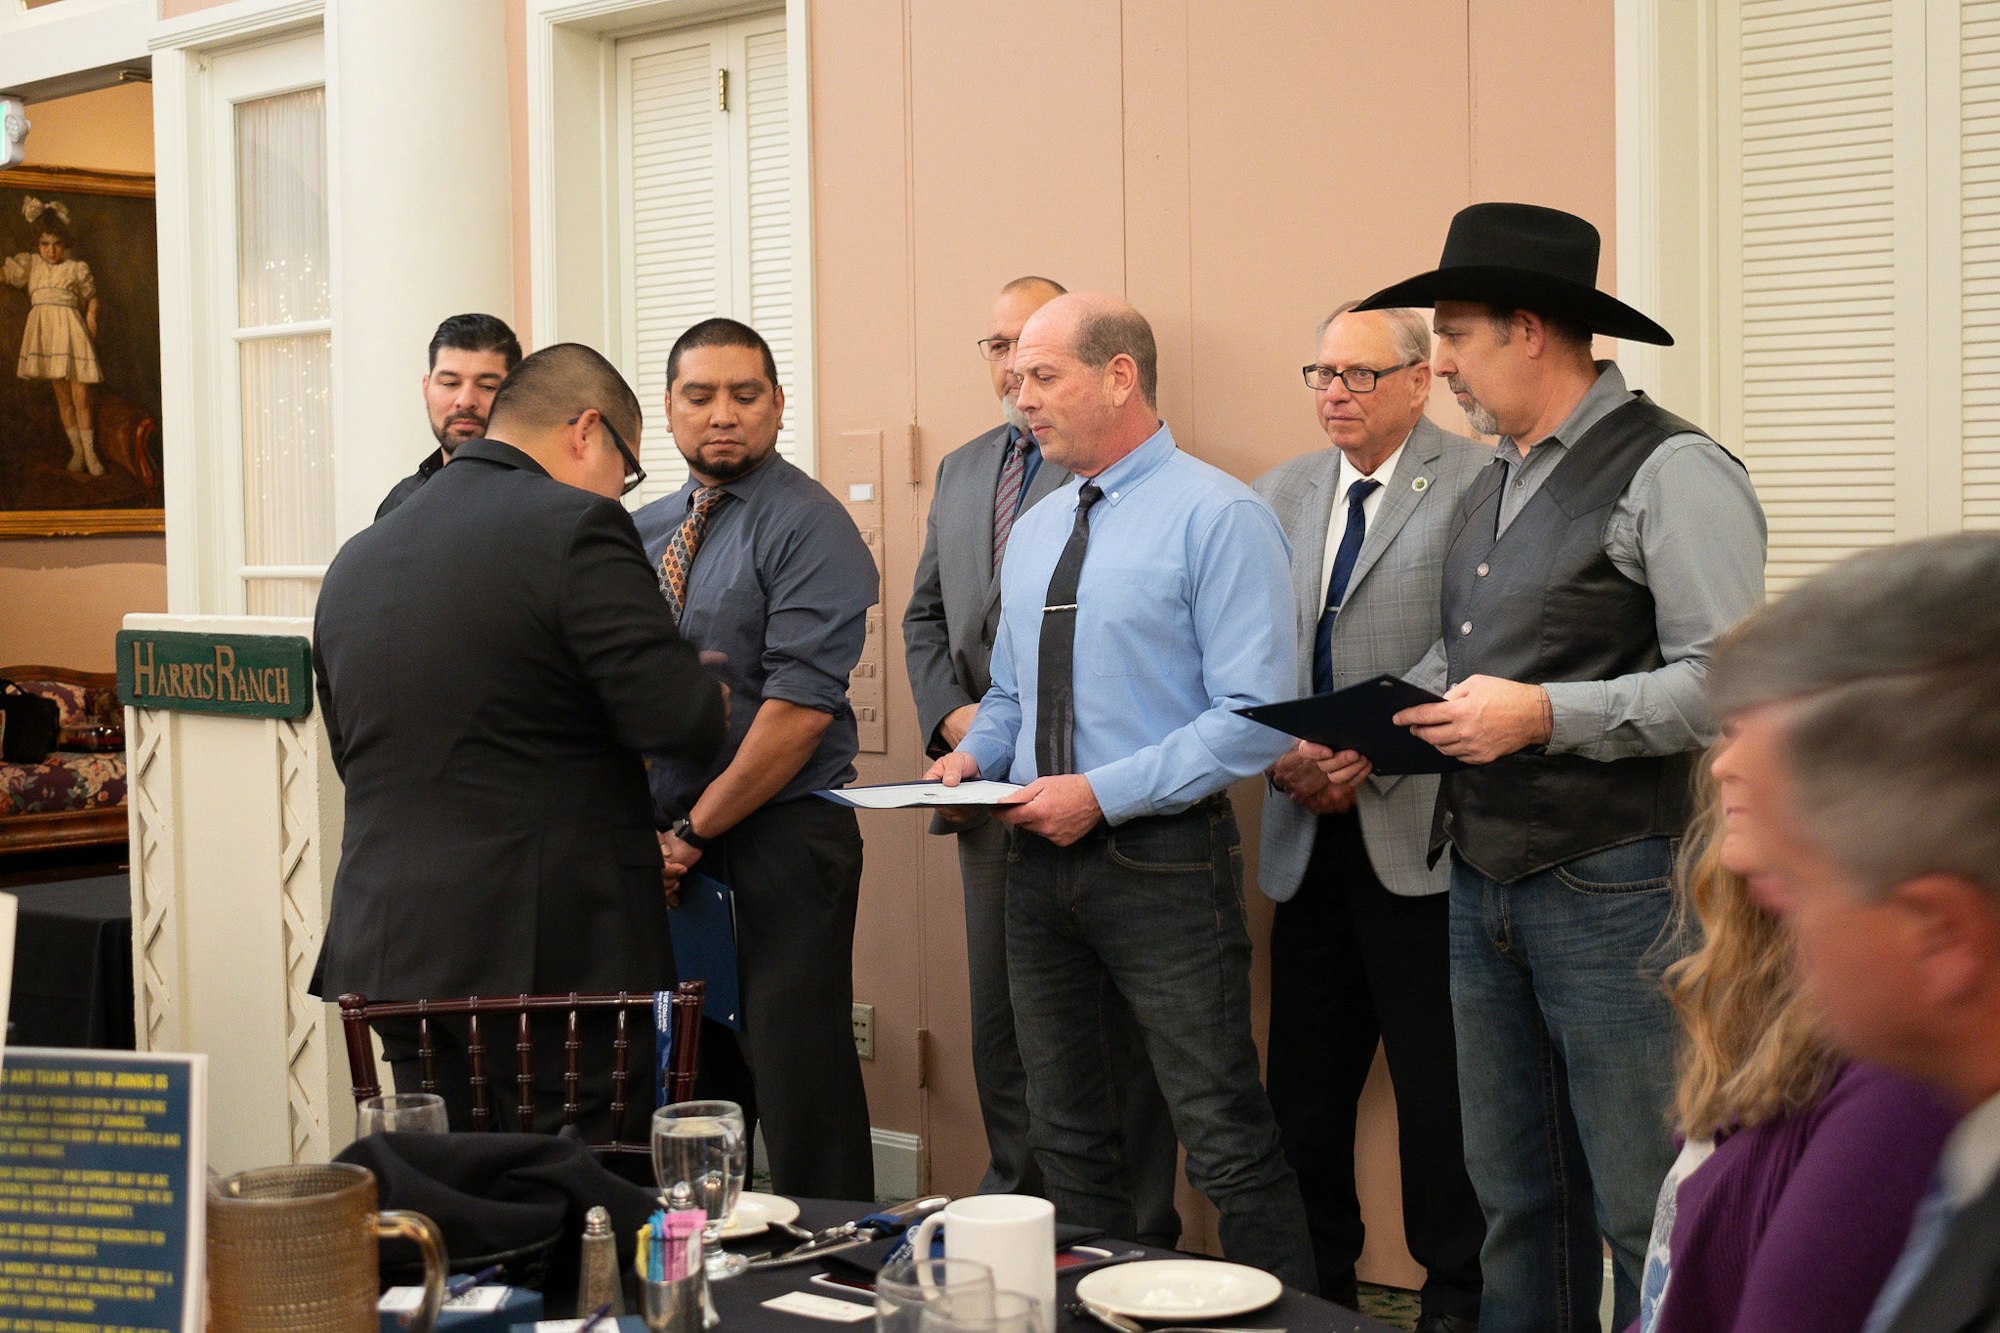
x=1359 y=951
x=982 y=487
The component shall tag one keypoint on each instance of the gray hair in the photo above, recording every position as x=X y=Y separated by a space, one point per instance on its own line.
x=1411 y=329
x=1888 y=667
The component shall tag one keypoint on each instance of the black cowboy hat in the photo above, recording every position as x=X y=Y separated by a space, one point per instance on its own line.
x=1524 y=257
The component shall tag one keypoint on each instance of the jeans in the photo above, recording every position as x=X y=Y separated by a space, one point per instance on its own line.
x=1151 y=910
x=1150 y=1150
x=1566 y=1067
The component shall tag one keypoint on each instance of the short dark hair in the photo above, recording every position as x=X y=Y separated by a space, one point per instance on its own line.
x=720 y=332
x=552 y=386
x=1102 y=334
x=51 y=223
x=476 y=333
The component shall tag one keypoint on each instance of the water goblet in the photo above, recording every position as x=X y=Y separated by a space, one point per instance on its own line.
x=702 y=1145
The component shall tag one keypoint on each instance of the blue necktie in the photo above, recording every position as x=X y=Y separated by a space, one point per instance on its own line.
x=1336 y=587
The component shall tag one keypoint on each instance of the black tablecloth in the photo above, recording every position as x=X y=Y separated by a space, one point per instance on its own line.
x=73 y=964
x=739 y=1300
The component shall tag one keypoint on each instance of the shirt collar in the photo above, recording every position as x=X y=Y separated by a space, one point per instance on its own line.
x=1349 y=474
x=1607 y=393
x=1125 y=475
x=1025 y=440
x=1972 y=1154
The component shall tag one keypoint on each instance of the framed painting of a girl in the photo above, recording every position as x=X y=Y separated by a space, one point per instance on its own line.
x=80 y=435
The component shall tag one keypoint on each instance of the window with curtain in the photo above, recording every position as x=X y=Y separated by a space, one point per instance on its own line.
x=284 y=344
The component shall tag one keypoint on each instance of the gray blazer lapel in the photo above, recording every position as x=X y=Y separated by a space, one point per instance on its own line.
x=1415 y=471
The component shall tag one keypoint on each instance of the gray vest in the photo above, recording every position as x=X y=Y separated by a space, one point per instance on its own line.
x=1544 y=603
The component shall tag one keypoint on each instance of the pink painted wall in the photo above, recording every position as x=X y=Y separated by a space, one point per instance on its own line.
x=62 y=599
x=1235 y=179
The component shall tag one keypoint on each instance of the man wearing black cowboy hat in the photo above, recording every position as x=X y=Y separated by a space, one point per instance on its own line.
x=1588 y=574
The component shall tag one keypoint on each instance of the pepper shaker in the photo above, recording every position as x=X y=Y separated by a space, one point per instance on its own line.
x=600 y=1284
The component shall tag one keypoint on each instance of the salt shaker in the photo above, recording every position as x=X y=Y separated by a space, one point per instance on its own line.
x=600 y=1284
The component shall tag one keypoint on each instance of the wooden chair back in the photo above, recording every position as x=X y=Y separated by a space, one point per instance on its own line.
x=632 y=1014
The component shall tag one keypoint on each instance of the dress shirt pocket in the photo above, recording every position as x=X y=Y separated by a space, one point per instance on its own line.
x=1135 y=623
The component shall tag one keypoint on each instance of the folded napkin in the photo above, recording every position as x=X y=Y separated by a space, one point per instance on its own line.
x=497 y=1197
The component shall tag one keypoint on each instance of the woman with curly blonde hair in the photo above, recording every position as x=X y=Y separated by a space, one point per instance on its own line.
x=1800 y=1170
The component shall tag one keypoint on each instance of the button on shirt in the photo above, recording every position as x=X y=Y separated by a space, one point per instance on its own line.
x=781 y=587
x=1184 y=613
x=1689 y=528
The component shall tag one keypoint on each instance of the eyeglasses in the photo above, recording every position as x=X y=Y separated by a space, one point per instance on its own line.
x=634 y=474
x=1358 y=379
x=996 y=349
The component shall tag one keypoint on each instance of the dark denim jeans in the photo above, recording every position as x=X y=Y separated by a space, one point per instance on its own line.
x=1565 y=1068
x=1151 y=910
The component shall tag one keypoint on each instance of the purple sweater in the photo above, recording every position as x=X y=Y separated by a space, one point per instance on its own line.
x=1794 y=1224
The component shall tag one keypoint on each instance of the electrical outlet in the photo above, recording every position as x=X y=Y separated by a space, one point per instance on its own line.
x=864 y=1031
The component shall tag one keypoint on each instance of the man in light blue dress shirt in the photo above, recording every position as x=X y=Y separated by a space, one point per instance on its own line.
x=1124 y=865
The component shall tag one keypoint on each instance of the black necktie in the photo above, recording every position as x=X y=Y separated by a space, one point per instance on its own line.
x=1336 y=587
x=1055 y=700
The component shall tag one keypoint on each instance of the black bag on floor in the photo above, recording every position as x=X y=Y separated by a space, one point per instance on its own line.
x=32 y=723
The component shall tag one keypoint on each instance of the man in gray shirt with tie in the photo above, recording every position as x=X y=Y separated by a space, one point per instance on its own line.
x=763 y=567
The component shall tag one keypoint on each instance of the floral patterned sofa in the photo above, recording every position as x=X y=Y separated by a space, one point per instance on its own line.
x=76 y=796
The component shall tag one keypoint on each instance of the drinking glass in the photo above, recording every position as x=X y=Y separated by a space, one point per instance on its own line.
x=701 y=1145
x=903 y=1289
x=984 y=1312
x=400 y=1113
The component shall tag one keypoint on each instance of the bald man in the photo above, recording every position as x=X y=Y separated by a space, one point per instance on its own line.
x=983 y=486
x=1140 y=605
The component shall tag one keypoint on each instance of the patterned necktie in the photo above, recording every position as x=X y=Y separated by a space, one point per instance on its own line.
x=1007 y=496
x=1055 y=694
x=678 y=558
x=1336 y=587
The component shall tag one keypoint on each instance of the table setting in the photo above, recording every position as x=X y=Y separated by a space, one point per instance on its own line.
x=521 y=1214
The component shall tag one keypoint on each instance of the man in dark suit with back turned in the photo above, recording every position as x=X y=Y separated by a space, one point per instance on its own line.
x=492 y=657
x=982 y=487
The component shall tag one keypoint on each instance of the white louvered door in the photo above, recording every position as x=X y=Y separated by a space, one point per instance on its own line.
x=706 y=211
x=1859 y=172
x=1979 y=288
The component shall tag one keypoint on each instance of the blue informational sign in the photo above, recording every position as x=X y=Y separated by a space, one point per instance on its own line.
x=102 y=1179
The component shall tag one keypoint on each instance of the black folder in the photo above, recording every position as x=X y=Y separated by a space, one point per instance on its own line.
x=1357 y=718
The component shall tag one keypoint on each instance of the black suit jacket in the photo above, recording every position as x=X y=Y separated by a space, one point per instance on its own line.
x=1960 y=1293
x=493 y=655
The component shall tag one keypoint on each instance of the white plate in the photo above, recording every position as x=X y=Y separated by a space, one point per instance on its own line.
x=1180 y=1289
x=755 y=1212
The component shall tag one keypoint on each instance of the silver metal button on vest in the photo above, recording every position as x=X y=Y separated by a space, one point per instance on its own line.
x=1466 y=628
x=1481 y=571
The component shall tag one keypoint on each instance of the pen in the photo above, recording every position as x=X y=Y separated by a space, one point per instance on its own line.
x=596 y=1319
x=458 y=1286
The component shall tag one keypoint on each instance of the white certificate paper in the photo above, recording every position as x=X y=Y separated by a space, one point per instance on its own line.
x=923 y=795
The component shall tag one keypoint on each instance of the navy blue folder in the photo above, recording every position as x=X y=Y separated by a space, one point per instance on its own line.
x=704 y=934
x=1357 y=718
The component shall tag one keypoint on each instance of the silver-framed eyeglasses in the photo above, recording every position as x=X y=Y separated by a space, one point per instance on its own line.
x=996 y=349
x=1358 y=379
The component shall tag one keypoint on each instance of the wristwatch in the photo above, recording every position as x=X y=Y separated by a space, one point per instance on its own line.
x=683 y=829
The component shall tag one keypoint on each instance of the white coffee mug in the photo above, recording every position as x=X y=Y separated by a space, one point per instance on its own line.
x=1013 y=1234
